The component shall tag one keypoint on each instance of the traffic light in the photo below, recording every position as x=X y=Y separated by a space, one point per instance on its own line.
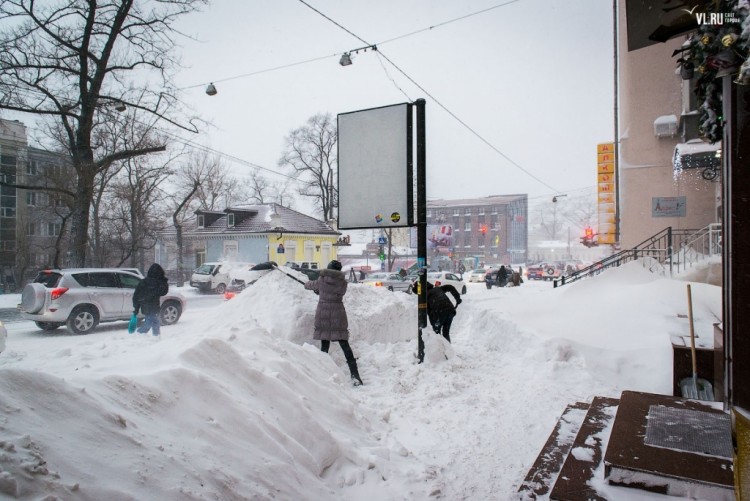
x=483 y=229
x=588 y=237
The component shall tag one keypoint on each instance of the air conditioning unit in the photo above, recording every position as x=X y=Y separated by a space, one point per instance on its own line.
x=665 y=126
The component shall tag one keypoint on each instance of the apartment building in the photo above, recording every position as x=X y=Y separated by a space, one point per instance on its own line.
x=488 y=230
x=30 y=220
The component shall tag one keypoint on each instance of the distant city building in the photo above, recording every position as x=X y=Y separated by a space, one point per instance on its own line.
x=475 y=231
x=30 y=220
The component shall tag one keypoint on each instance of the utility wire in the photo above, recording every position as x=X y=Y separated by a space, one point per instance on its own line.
x=352 y=34
x=445 y=108
x=262 y=71
x=446 y=22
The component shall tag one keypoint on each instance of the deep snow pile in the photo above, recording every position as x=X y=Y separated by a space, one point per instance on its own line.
x=237 y=404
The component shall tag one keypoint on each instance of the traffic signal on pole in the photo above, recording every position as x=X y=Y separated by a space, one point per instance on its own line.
x=588 y=237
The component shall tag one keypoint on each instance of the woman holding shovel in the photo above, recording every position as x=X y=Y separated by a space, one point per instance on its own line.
x=331 y=322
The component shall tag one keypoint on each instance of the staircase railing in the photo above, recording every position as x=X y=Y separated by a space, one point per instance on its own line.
x=701 y=245
x=661 y=247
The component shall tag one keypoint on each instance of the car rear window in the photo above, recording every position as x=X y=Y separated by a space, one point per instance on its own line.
x=48 y=278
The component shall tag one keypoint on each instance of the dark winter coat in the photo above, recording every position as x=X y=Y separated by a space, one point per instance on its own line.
x=331 y=322
x=146 y=297
x=439 y=306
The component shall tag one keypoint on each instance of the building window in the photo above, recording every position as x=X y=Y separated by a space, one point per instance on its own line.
x=31 y=198
x=31 y=168
x=230 y=220
x=429 y=213
x=494 y=210
x=456 y=212
x=53 y=229
x=480 y=211
x=201 y=221
x=31 y=229
x=467 y=212
x=54 y=171
x=467 y=226
x=7 y=212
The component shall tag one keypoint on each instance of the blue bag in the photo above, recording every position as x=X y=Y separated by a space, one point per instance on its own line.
x=133 y=324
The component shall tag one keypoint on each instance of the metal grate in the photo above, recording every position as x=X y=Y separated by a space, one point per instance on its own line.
x=689 y=431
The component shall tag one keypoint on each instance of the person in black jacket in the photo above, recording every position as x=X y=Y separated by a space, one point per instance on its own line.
x=440 y=309
x=147 y=298
x=502 y=276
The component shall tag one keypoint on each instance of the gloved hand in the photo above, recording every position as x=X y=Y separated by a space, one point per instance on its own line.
x=316 y=292
x=458 y=301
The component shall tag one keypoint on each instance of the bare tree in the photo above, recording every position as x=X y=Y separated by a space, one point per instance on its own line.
x=551 y=220
x=310 y=151
x=71 y=62
x=217 y=188
x=201 y=172
x=262 y=191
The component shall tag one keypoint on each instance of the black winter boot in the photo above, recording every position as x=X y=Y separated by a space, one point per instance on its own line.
x=356 y=381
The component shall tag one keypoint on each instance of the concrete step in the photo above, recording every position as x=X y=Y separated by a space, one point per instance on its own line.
x=544 y=471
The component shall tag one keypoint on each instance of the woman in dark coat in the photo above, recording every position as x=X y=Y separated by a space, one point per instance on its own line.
x=331 y=322
x=147 y=298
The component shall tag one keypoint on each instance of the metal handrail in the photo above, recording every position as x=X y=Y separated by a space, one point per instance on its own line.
x=659 y=246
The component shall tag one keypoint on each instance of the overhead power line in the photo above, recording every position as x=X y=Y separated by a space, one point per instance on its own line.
x=338 y=54
x=445 y=108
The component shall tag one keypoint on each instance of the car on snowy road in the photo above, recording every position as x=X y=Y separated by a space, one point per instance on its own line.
x=390 y=281
x=81 y=298
x=438 y=278
x=476 y=275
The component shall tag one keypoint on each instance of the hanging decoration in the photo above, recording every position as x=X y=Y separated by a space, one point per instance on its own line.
x=717 y=46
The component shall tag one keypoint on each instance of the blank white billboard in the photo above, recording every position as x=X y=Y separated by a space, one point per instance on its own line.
x=375 y=168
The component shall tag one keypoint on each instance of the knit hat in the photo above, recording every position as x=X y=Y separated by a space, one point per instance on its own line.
x=334 y=265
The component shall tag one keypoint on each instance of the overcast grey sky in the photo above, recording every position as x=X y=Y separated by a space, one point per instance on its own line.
x=533 y=78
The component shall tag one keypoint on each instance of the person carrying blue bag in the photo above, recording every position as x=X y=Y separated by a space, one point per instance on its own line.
x=147 y=298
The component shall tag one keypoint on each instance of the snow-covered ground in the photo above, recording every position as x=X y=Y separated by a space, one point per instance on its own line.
x=236 y=401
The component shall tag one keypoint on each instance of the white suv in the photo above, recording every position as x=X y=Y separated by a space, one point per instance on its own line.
x=81 y=298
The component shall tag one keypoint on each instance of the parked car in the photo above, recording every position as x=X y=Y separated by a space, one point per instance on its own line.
x=512 y=277
x=81 y=298
x=476 y=275
x=309 y=265
x=390 y=281
x=545 y=271
x=216 y=276
x=438 y=278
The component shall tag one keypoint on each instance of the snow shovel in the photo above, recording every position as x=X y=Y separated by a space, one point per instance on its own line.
x=285 y=273
x=695 y=387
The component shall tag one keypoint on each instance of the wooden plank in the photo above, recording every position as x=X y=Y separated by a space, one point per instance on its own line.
x=545 y=469
x=573 y=482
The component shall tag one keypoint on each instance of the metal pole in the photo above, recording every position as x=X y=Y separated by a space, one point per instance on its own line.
x=421 y=224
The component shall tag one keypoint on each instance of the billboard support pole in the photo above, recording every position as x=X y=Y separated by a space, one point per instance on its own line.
x=421 y=225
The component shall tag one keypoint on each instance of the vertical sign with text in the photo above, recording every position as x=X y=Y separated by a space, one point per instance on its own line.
x=607 y=209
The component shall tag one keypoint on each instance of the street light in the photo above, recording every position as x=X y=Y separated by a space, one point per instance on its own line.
x=346 y=57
